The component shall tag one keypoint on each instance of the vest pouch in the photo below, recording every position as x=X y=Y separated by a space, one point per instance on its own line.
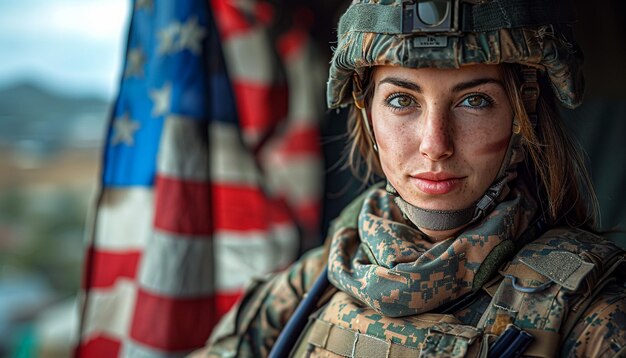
x=446 y=340
x=323 y=336
x=442 y=340
x=548 y=284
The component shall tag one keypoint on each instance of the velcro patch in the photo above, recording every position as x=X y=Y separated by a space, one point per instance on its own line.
x=565 y=268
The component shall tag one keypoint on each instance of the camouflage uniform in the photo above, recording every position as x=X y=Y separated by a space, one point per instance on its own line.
x=380 y=241
x=394 y=292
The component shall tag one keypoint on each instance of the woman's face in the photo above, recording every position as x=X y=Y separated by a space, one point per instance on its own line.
x=441 y=134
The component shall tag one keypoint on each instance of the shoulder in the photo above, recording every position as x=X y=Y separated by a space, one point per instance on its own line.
x=601 y=329
x=587 y=246
x=573 y=235
x=576 y=259
x=252 y=326
x=598 y=316
x=304 y=272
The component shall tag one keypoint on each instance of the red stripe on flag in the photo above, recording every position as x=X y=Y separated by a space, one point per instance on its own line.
x=105 y=267
x=229 y=19
x=292 y=42
x=260 y=106
x=244 y=208
x=309 y=214
x=225 y=301
x=301 y=140
x=177 y=323
x=185 y=207
x=264 y=12
x=98 y=347
x=182 y=206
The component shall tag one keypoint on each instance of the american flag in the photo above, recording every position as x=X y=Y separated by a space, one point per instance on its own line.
x=211 y=175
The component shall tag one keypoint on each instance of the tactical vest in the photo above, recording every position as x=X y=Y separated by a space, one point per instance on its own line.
x=543 y=290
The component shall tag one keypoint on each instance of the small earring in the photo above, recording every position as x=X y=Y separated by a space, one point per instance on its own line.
x=516 y=128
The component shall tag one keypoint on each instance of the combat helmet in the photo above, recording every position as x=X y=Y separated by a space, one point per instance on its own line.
x=535 y=34
x=452 y=33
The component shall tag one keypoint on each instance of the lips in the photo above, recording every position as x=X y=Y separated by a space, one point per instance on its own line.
x=436 y=183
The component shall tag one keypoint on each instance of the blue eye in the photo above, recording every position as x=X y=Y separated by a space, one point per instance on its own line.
x=476 y=101
x=400 y=101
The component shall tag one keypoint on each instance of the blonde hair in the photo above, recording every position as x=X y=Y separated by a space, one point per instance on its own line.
x=554 y=162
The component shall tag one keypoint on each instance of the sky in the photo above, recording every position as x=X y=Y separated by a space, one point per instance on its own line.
x=72 y=46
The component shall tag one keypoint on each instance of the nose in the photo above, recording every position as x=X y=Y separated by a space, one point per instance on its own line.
x=436 y=137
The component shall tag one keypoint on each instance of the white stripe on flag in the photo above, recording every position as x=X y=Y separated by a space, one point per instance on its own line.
x=133 y=349
x=231 y=162
x=306 y=76
x=178 y=265
x=300 y=176
x=241 y=256
x=184 y=149
x=110 y=311
x=124 y=219
x=182 y=266
x=250 y=59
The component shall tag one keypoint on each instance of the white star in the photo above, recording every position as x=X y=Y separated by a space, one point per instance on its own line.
x=135 y=63
x=124 y=130
x=167 y=38
x=161 y=99
x=145 y=4
x=191 y=35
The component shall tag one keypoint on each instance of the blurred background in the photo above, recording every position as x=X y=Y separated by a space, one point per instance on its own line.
x=59 y=70
x=60 y=65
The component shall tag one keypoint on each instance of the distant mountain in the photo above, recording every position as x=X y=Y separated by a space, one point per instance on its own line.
x=31 y=116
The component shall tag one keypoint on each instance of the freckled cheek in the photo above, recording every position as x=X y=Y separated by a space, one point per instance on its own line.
x=395 y=142
x=393 y=149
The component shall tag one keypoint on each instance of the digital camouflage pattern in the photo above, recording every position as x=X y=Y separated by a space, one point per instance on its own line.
x=417 y=335
x=601 y=331
x=384 y=262
x=563 y=268
x=597 y=313
x=549 y=47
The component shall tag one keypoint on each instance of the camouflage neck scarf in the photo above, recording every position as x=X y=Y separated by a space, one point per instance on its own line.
x=395 y=269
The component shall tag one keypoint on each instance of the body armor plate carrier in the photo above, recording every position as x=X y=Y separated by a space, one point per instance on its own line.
x=543 y=290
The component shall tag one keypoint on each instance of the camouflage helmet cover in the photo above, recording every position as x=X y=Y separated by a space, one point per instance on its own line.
x=527 y=32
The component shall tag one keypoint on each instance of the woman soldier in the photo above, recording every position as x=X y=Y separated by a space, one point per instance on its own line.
x=481 y=242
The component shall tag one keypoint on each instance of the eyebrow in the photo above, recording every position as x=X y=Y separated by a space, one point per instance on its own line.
x=399 y=82
x=475 y=83
x=457 y=88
